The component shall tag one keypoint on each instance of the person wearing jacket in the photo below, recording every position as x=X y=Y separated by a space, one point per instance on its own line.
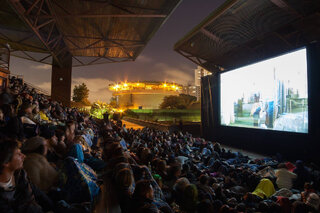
x=17 y=194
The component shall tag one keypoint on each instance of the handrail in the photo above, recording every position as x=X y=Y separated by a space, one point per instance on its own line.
x=38 y=89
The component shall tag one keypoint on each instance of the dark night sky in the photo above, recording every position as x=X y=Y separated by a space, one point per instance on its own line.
x=157 y=61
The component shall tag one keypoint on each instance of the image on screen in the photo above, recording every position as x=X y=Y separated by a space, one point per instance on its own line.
x=270 y=94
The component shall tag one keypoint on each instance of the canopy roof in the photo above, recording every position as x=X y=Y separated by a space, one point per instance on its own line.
x=91 y=31
x=241 y=32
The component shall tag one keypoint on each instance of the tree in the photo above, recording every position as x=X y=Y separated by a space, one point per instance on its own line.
x=81 y=93
x=187 y=99
x=177 y=102
x=171 y=102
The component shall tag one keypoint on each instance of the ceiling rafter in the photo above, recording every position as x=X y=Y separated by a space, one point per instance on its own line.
x=45 y=30
x=125 y=5
x=25 y=38
x=20 y=44
x=210 y=35
x=107 y=16
x=32 y=22
x=108 y=46
x=45 y=58
x=78 y=60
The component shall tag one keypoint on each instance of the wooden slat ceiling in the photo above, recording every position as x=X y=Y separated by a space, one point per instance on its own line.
x=92 y=31
x=241 y=32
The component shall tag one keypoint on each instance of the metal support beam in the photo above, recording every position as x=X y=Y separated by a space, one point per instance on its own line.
x=107 y=16
x=30 y=15
x=108 y=46
x=61 y=81
x=211 y=35
x=284 y=5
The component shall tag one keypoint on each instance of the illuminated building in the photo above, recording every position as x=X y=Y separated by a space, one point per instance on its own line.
x=198 y=73
x=143 y=95
x=189 y=90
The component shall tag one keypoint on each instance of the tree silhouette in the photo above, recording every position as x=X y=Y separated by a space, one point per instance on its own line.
x=81 y=93
x=177 y=102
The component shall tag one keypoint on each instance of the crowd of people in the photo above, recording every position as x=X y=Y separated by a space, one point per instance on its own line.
x=57 y=159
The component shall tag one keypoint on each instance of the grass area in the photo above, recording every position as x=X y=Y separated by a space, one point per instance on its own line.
x=164 y=115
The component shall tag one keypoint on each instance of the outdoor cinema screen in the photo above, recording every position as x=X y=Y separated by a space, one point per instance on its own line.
x=271 y=94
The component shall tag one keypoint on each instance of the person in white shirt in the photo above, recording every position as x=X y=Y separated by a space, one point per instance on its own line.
x=284 y=177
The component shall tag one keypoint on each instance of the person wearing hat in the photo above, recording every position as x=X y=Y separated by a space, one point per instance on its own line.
x=39 y=170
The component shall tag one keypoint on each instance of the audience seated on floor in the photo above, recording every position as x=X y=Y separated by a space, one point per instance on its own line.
x=71 y=162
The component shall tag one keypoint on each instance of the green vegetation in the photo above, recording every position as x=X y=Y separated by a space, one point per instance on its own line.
x=99 y=108
x=81 y=94
x=182 y=101
x=165 y=115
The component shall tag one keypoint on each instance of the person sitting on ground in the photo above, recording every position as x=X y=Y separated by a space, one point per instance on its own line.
x=44 y=108
x=124 y=183
x=308 y=189
x=25 y=113
x=205 y=191
x=39 y=170
x=265 y=189
x=48 y=132
x=190 y=199
x=17 y=194
x=284 y=177
x=162 y=169
x=61 y=147
x=313 y=202
x=30 y=128
x=303 y=175
x=174 y=174
x=143 y=197
x=14 y=127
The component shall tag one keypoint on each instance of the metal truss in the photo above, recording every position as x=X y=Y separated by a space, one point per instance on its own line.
x=201 y=62
x=45 y=29
x=44 y=26
x=37 y=14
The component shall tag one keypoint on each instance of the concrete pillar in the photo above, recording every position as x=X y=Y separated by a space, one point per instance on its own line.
x=61 y=81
